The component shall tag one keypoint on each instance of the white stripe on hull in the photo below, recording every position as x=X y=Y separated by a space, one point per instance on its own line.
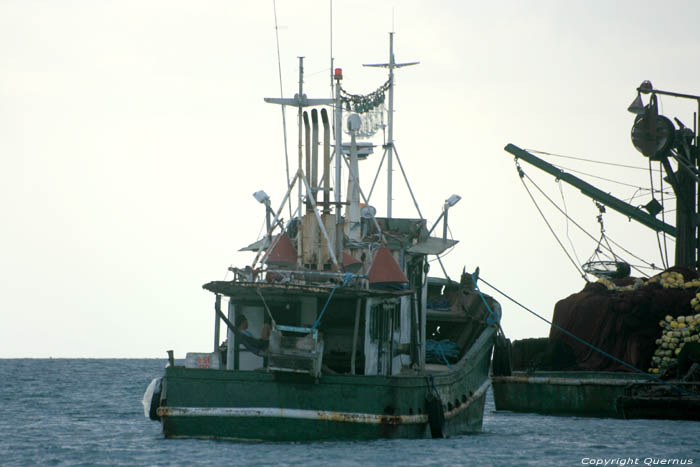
x=325 y=415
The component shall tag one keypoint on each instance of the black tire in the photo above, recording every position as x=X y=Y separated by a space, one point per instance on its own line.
x=502 y=364
x=436 y=416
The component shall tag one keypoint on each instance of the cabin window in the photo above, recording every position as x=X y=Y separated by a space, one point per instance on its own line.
x=384 y=318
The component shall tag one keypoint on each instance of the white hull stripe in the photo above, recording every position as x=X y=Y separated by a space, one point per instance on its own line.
x=568 y=381
x=321 y=415
x=275 y=412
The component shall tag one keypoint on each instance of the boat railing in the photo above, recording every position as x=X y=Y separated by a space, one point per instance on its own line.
x=296 y=276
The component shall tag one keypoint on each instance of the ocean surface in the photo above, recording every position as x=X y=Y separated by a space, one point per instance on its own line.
x=88 y=412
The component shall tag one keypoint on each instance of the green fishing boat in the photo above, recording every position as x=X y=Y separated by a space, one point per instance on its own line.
x=335 y=330
x=622 y=347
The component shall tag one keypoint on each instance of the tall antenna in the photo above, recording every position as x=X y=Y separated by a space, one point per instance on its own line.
x=331 y=42
x=284 y=119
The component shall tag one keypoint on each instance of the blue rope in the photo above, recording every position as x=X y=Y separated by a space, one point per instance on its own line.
x=493 y=317
x=632 y=367
x=443 y=355
x=346 y=280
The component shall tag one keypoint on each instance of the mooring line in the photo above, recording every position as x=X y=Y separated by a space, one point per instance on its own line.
x=603 y=352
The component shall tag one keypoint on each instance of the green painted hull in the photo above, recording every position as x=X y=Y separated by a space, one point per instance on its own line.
x=259 y=405
x=587 y=394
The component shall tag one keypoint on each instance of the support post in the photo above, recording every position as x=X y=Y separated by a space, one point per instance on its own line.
x=354 y=336
x=217 y=322
x=230 y=336
x=444 y=224
x=338 y=169
x=300 y=259
x=390 y=143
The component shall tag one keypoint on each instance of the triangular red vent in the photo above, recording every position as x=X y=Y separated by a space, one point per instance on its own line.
x=351 y=264
x=283 y=252
x=384 y=268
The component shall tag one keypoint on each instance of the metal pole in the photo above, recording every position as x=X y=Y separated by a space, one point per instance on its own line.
x=696 y=163
x=230 y=336
x=299 y=123
x=268 y=209
x=696 y=231
x=354 y=336
x=217 y=323
x=444 y=223
x=390 y=143
x=365 y=200
x=338 y=170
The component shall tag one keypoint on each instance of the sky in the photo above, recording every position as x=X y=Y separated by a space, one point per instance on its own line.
x=133 y=134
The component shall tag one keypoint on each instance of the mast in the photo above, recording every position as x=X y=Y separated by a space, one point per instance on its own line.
x=390 y=149
x=338 y=76
x=390 y=120
x=300 y=100
x=300 y=237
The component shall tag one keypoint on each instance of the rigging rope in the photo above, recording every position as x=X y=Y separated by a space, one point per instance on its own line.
x=257 y=289
x=566 y=214
x=561 y=167
x=651 y=265
x=522 y=175
x=664 y=262
x=593 y=347
x=587 y=160
x=346 y=280
x=603 y=237
x=284 y=118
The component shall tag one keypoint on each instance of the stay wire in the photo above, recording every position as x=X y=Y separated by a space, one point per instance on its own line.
x=586 y=160
x=587 y=233
x=522 y=174
x=566 y=210
x=601 y=178
x=664 y=261
x=284 y=118
x=593 y=347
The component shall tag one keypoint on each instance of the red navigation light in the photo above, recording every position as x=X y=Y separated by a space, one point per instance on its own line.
x=338 y=73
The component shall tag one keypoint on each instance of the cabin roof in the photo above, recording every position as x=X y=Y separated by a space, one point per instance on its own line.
x=244 y=291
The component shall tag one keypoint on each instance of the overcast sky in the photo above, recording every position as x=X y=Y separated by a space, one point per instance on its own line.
x=133 y=134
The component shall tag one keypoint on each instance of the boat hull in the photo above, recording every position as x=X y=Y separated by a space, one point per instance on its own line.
x=590 y=394
x=261 y=405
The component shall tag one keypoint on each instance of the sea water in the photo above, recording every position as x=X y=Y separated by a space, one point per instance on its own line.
x=88 y=412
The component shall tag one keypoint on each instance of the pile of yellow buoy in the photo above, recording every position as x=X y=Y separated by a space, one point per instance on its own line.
x=668 y=280
x=676 y=333
x=674 y=280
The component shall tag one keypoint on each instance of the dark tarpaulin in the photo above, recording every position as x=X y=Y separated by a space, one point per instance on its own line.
x=624 y=324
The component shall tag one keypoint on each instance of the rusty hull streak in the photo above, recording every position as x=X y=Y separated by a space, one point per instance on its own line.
x=479 y=392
